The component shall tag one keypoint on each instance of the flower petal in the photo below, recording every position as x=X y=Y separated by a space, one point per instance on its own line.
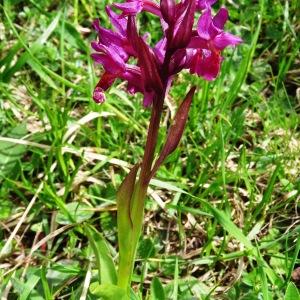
x=160 y=49
x=198 y=42
x=220 y=18
x=108 y=64
x=134 y=78
x=148 y=98
x=168 y=10
x=225 y=39
x=109 y=58
x=146 y=58
x=203 y=4
x=130 y=8
x=184 y=25
x=151 y=7
x=108 y=37
x=178 y=61
x=120 y=24
x=104 y=83
x=206 y=64
x=106 y=80
x=204 y=25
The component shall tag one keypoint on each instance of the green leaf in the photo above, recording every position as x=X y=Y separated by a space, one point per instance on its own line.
x=267 y=195
x=74 y=38
x=124 y=196
x=29 y=286
x=34 y=48
x=130 y=204
x=106 y=268
x=107 y=291
x=78 y=212
x=225 y=221
x=40 y=70
x=246 y=63
x=157 y=290
x=35 y=63
x=10 y=153
x=292 y=292
x=146 y=248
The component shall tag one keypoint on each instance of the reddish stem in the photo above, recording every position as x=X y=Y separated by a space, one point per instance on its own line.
x=153 y=129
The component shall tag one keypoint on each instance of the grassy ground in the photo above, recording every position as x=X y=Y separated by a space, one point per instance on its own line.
x=222 y=214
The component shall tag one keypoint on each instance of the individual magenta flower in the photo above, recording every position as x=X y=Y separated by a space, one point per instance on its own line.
x=205 y=58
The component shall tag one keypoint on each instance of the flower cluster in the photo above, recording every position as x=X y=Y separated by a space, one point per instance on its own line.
x=185 y=45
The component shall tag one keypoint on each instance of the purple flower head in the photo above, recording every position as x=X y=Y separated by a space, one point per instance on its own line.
x=185 y=44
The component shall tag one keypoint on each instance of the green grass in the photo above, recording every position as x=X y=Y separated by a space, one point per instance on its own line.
x=222 y=217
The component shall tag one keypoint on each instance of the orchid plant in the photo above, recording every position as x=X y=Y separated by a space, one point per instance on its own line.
x=184 y=45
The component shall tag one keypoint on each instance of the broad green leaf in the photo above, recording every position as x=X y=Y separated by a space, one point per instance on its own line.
x=45 y=284
x=26 y=289
x=157 y=290
x=130 y=203
x=146 y=248
x=78 y=212
x=107 y=291
x=124 y=196
x=106 y=268
x=292 y=292
x=10 y=153
x=29 y=286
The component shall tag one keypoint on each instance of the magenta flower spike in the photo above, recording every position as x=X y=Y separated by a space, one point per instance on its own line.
x=126 y=55
x=183 y=46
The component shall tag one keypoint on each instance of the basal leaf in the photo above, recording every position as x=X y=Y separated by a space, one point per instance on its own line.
x=157 y=290
x=78 y=211
x=107 y=291
x=292 y=292
x=10 y=153
x=105 y=264
x=124 y=196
